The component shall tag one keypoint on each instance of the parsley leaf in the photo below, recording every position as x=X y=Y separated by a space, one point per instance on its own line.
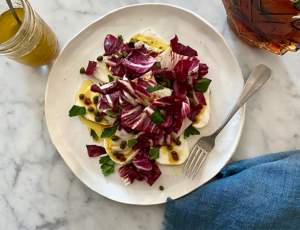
x=156 y=117
x=107 y=165
x=154 y=153
x=190 y=131
x=158 y=64
x=202 y=85
x=111 y=113
x=100 y=84
x=151 y=89
x=120 y=107
x=131 y=143
x=166 y=80
x=94 y=134
x=110 y=78
x=76 y=111
x=134 y=40
x=108 y=132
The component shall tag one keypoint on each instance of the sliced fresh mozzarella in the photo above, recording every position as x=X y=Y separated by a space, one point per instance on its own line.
x=88 y=102
x=204 y=115
x=114 y=146
x=165 y=155
x=151 y=38
x=140 y=43
x=102 y=71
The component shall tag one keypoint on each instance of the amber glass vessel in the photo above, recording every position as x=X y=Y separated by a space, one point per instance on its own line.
x=270 y=24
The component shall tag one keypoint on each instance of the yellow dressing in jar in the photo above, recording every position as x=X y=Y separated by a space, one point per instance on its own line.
x=33 y=43
x=8 y=24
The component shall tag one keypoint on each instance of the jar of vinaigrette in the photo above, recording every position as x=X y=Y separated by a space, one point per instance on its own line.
x=32 y=43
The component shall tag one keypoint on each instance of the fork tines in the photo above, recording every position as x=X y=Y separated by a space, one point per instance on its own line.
x=194 y=162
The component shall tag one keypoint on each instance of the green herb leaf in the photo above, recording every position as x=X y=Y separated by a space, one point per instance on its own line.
x=107 y=165
x=151 y=89
x=156 y=117
x=120 y=107
x=94 y=134
x=110 y=78
x=77 y=110
x=131 y=143
x=134 y=40
x=100 y=84
x=190 y=131
x=108 y=132
x=158 y=64
x=202 y=85
x=111 y=113
x=154 y=153
x=166 y=80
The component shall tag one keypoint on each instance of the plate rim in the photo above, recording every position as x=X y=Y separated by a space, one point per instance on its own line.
x=131 y=6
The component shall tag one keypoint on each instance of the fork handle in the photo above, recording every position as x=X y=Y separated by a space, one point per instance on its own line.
x=259 y=76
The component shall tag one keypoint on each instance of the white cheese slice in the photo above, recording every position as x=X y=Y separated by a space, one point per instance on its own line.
x=111 y=146
x=204 y=115
x=165 y=156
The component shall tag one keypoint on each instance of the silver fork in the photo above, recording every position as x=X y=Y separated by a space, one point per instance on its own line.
x=259 y=76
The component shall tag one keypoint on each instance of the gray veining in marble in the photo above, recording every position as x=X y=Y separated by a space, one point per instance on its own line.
x=39 y=191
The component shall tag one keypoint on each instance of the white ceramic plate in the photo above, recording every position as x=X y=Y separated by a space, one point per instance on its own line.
x=70 y=136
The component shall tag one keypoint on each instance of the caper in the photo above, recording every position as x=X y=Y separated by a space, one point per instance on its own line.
x=81 y=96
x=164 y=84
x=91 y=109
x=189 y=92
x=121 y=55
x=170 y=147
x=97 y=113
x=82 y=70
x=96 y=98
x=100 y=58
x=120 y=37
x=163 y=105
x=115 y=138
x=178 y=142
x=161 y=188
x=125 y=54
x=123 y=145
x=115 y=153
x=195 y=119
x=98 y=119
x=113 y=56
x=163 y=113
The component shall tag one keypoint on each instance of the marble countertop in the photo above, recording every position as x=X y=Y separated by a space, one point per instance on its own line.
x=39 y=191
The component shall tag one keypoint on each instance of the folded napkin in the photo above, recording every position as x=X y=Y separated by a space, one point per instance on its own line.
x=258 y=193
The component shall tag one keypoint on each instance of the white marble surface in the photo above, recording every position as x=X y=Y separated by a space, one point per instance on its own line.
x=39 y=191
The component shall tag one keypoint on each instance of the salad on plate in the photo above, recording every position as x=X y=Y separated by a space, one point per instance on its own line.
x=151 y=95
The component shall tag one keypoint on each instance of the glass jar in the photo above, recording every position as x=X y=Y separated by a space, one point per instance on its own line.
x=34 y=44
x=270 y=24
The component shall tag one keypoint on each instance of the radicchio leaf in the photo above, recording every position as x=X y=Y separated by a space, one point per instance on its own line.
x=138 y=61
x=95 y=150
x=151 y=176
x=194 y=112
x=112 y=45
x=91 y=67
x=182 y=49
x=129 y=173
x=141 y=161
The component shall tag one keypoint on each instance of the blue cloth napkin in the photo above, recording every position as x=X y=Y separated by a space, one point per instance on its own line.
x=258 y=193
